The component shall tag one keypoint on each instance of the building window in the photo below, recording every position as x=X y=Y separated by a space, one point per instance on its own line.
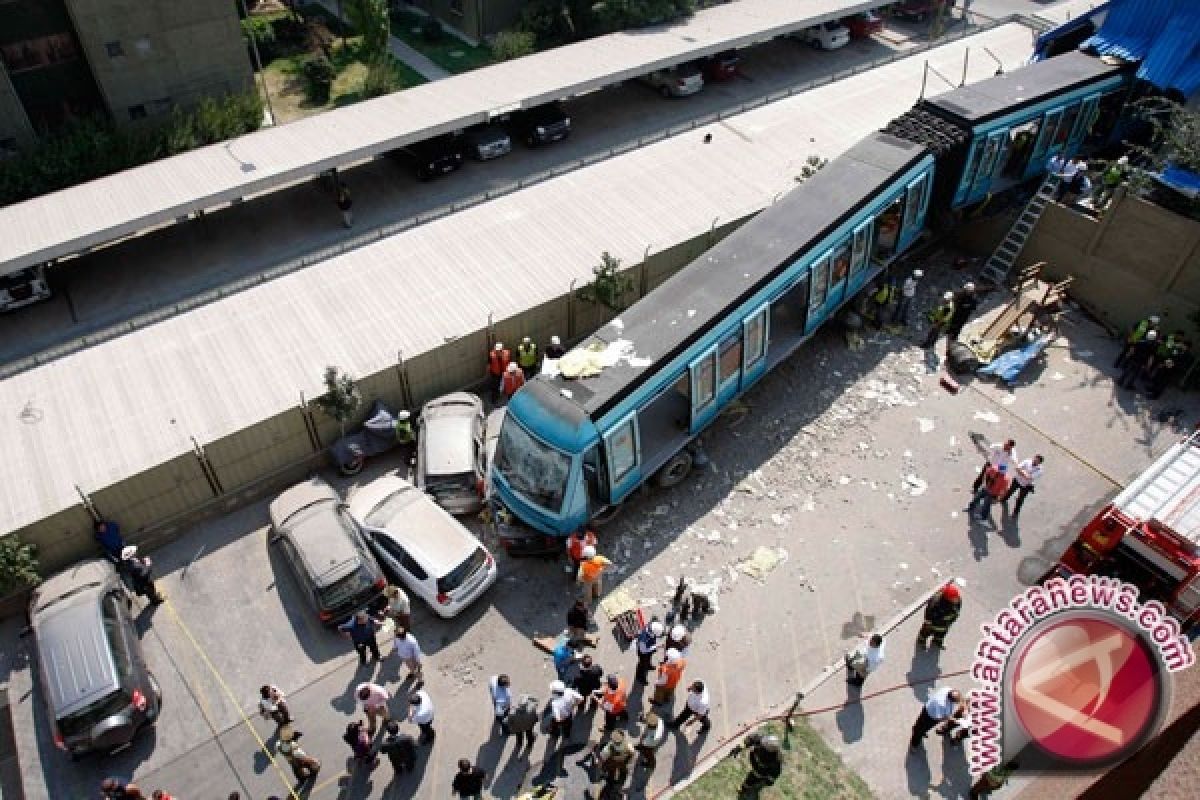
x=137 y=112
x=114 y=49
x=142 y=45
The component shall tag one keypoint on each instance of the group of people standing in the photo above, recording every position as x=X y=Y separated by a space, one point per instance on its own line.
x=1148 y=356
x=507 y=375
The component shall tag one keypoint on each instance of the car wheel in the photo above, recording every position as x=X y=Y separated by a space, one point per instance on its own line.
x=353 y=467
x=674 y=471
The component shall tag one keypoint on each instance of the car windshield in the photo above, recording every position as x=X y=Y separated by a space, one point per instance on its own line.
x=345 y=589
x=450 y=484
x=456 y=577
x=81 y=722
x=537 y=471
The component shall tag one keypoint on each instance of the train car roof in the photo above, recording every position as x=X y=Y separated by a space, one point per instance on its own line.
x=1022 y=87
x=676 y=314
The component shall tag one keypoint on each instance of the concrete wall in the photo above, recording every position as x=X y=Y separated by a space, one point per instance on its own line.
x=14 y=123
x=171 y=53
x=163 y=502
x=1138 y=258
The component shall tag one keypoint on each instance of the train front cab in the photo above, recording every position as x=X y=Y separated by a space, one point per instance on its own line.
x=1017 y=147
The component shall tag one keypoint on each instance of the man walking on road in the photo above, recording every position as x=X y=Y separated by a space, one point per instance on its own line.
x=564 y=703
x=942 y=704
x=499 y=687
x=421 y=714
x=1140 y=358
x=613 y=699
x=304 y=766
x=941 y=610
x=670 y=673
x=523 y=720
x=141 y=574
x=361 y=629
x=1000 y=454
x=374 y=699
x=654 y=733
x=864 y=660
x=908 y=290
x=1028 y=473
x=408 y=650
x=578 y=619
x=995 y=486
x=468 y=782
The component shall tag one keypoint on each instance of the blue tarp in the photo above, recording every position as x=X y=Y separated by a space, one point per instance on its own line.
x=1163 y=34
x=1181 y=180
x=1008 y=366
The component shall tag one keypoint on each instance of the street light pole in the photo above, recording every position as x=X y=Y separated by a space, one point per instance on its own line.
x=258 y=63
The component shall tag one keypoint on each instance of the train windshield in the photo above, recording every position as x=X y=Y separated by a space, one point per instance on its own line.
x=535 y=470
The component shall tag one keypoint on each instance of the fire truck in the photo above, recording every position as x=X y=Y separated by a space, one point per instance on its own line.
x=1149 y=536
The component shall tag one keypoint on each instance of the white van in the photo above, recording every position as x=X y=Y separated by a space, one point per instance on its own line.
x=679 y=81
x=828 y=35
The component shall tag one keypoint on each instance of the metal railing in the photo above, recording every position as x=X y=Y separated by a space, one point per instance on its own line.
x=155 y=315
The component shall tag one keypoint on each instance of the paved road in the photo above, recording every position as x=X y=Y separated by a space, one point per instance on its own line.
x=816 y=461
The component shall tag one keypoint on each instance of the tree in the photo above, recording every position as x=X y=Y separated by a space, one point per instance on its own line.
x=512 y=44
x=341 y=398
x=370 y=19
x=609 y=286
x=1175 y=137
x=18 y=566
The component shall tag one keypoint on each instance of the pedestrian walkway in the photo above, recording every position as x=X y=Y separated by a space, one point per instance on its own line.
x=402 y=51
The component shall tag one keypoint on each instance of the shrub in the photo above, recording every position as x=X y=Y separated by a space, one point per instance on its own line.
x=381 y=78
x=18 y=566
x=431 y=30
x=318 y=77
x=261 y=32
x=512 y=44
x=291 y=35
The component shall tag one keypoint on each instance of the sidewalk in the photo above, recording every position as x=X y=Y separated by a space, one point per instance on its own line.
x=402 y=51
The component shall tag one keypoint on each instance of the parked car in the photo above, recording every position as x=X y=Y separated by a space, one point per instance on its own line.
x=450 y=452
x=422 y=546
x=94 y=679
x=485 y=142
x=827 y=36
x=326 y=550
x=722 y=66
x=23 y=287
x=863 y=25
x=434 y=157
x=915 y=10
x=541 y=124
x=679 y=81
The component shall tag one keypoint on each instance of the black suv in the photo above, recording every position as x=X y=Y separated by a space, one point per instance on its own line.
x=434 y=157
x=541 y=124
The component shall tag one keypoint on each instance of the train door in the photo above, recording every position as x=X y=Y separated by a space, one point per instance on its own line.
x=916 y=202
x=994 y=151
x=729 y=366
x=1065 y=133
x=839 y=271
x=623 y=449
x=756 y=332
x=859 y=274
x=704 y=389
x=817 y=292
x=1088 y=111
x=789 y=319
x=1041 y=152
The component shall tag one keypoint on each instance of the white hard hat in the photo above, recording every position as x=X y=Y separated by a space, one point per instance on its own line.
x=1152 y=335
x=970 y=287
x=557 y=687
x=129 y=551
x=1154 y=320
x=673 y=655
x=589 y=552
x=948 y=296
x=403 y=415
x=1123 y=160
x=512 y=367
x=917 y=273
x=678 y=632
x=656 y=628
x=555 y=340
x=499 y=346
x=526 y=340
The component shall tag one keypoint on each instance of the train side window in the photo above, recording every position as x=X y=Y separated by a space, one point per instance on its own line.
x=596 y=477
x=704 y=380
x=858 y=258
x=973 y=165
x=729 y=359
x=621 y=445
x=840 y=263
x=820 y=277
x=887 y=229
x=1067 y=126
x=916 y=202
x=754 y=334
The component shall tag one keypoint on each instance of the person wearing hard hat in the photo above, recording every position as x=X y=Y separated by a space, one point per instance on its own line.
x=965 y=303
x=670 y=673
x=404 y=429
x=1135 y=335
x=513 y=380
x=647 y=644
x=766 y=762
x=939 y=318
x=1139 y=360
x=555 y=349
x=941 y=610
x=527 y=357
x=614 y=759
x=679 y=639
x=908 y=290
x=578 y=540
x=498 y=361
x=591 y=572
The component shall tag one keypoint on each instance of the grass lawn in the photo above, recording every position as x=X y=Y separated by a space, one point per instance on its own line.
x=811 y=771
x=450 y=53
x=285 y=80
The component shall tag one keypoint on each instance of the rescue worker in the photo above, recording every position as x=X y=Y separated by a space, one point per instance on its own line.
x=304 y=766
x=941 y=610
x=498 y=361
x=555 y=349
x=404 y=429
x=995 y=778
x=1112 y=178
x=939 y=318
x=513 y=380
x=992 y=490
x=140 y=574
x=670 y=673
x=613 y=700
x=907 y=292
x=1160 y=376
x=1139 y=360
x=881 y=298
x=766 y=762
x=965 y=303
x=654 y=733
x=591 y=574
x=678 y=639
x=575 y=543
x=647 y=644
x=1135 y=335
x=614 y=759
x=527 y=357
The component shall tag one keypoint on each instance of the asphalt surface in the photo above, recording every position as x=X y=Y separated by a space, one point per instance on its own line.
x=856 y=464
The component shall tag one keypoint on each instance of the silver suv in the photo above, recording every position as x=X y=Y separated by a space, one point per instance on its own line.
x=450 y=452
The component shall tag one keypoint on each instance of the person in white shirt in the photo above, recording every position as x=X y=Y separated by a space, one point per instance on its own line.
x=1000 y=454
x=408 y=650
x=502 y=700
x=421 y=714
x=1027 y=475
x=272 y=704
x=864 y=660
x=942 y=704
x=1056 y=163
x=564 y=702
x=697 y=706
x=374 y=700
x=908 y=290
x=654 y=733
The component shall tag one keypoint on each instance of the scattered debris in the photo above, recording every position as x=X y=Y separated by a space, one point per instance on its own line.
x=762 y=562
x=915 y=486
x=987 y=416
x=924 y=425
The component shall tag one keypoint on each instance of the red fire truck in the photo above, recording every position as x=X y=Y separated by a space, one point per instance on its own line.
x=1149 y=535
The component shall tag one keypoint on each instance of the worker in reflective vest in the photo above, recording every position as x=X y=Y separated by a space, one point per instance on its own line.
x=527 y=357
x=1136 y=334
x=939 y=318
x=613 y=699
x=498 y=361
x=404 y=428
x=513 y=379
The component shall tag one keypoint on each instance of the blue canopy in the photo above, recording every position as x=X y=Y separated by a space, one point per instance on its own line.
x=1162 y=34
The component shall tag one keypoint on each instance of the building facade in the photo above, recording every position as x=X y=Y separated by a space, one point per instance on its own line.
x=477 y=19
x=131 y=61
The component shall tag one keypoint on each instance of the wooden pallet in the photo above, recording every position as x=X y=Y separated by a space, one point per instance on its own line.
x=1034 y=302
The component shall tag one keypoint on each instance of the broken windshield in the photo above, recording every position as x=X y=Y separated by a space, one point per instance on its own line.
x=537 y=471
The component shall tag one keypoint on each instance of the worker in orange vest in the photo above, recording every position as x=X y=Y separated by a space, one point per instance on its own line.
x=513 y=379
x=575 y=544
x=613 y=698
x=591 y=569
x=498 y=361
x=670 y=673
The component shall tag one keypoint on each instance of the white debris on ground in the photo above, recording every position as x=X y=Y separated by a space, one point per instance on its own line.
x=762 y=562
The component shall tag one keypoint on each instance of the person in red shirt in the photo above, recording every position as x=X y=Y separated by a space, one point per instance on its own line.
x=993 y=488
x=513 y=380
x=498 y=360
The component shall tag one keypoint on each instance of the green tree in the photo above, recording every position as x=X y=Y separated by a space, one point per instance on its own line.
x=341 y=399
x=508 y=45
x=608 y=286
x=370 y=19
x=18 y=566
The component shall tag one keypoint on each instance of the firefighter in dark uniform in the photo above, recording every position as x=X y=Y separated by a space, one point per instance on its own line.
x=939 y=318
x=766 y=763
x=940 y=613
